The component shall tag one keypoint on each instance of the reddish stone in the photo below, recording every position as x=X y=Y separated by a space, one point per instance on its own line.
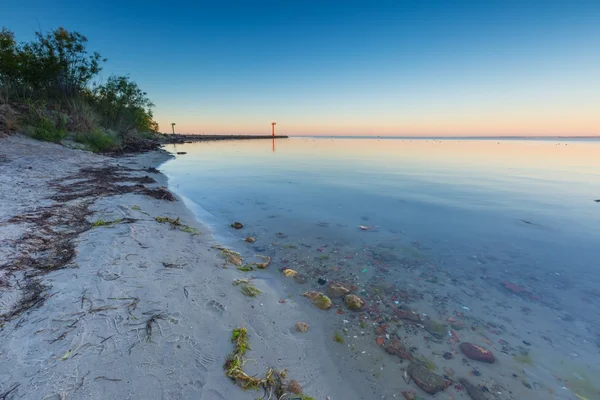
x=396 y=348
x=477 y=353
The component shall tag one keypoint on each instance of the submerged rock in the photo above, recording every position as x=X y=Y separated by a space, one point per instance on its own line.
x=472 y=390
x=435 y=328
x=353 y=302
x=396 y=348
x=477 y=353
x=407 y=314
x=409 y=395
x=337 y=290
x=425 y=379
x=319 y=300
x=250 y=239
x=237 y=225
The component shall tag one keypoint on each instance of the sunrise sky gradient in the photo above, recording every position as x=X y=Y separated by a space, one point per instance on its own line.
x=349 y=67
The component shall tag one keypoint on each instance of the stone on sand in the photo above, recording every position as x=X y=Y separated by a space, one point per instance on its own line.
x=319 y=299
x=337 y=290
x=353 y=302
x=301 y=326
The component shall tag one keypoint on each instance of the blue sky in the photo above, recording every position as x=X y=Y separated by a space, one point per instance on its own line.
x=347 y=67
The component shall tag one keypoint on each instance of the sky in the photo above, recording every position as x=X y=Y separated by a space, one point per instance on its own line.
x=430 y=68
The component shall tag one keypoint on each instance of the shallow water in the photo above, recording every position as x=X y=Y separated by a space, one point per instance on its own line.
x=497 y=240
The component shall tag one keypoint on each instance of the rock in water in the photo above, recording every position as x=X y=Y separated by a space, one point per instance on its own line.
x=237 y=225
x=336 y=290
x=425 y=379
x=396 y=348
x=250 y=239
x=477 y=353
x=472 y=390
x=353 y=302
x=319 y=300
x=436 y=329
x=407 y=314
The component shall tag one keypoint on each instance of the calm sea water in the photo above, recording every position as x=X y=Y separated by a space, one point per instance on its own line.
x=497 y=241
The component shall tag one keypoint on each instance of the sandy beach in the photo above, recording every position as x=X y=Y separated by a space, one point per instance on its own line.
x=100 y=299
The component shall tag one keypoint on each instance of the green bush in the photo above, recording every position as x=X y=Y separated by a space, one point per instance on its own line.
x=43 y=128
x=98 y=141
x=54 y=72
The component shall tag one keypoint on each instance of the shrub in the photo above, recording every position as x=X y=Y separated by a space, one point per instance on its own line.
x=8 y=118
x=82 y=116
x=44 y=128
x=98 y=141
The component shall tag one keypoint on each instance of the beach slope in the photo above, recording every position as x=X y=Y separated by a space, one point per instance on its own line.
x=104 y=297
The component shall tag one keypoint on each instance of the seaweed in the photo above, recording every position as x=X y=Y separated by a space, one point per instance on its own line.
x=247 y=288
x=338 y=338
x=273 y=384
x=153 y=319
x=176 y=224
x=231 y=257
x=251 y=266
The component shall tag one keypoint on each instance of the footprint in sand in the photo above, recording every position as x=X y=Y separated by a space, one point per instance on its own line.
x=215 y=307
x=204 y=360
x=108 y=275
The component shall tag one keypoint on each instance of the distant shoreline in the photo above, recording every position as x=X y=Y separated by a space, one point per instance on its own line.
x=452 y=137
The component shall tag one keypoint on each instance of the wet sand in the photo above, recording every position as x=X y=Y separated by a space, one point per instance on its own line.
x=101 y=300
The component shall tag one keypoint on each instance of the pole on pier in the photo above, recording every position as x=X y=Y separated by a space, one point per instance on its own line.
x=173 y=126
x=273 y=128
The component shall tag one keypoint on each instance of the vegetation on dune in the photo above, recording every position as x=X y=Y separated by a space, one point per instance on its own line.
x=47 y=91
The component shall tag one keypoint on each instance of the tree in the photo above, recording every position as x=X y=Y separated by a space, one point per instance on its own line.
x=124 y=105
x=55 y=65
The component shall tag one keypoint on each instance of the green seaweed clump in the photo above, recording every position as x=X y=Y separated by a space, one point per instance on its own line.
x=247 y=288
x=102 y=222
x=273 y=383
x=338 y=338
